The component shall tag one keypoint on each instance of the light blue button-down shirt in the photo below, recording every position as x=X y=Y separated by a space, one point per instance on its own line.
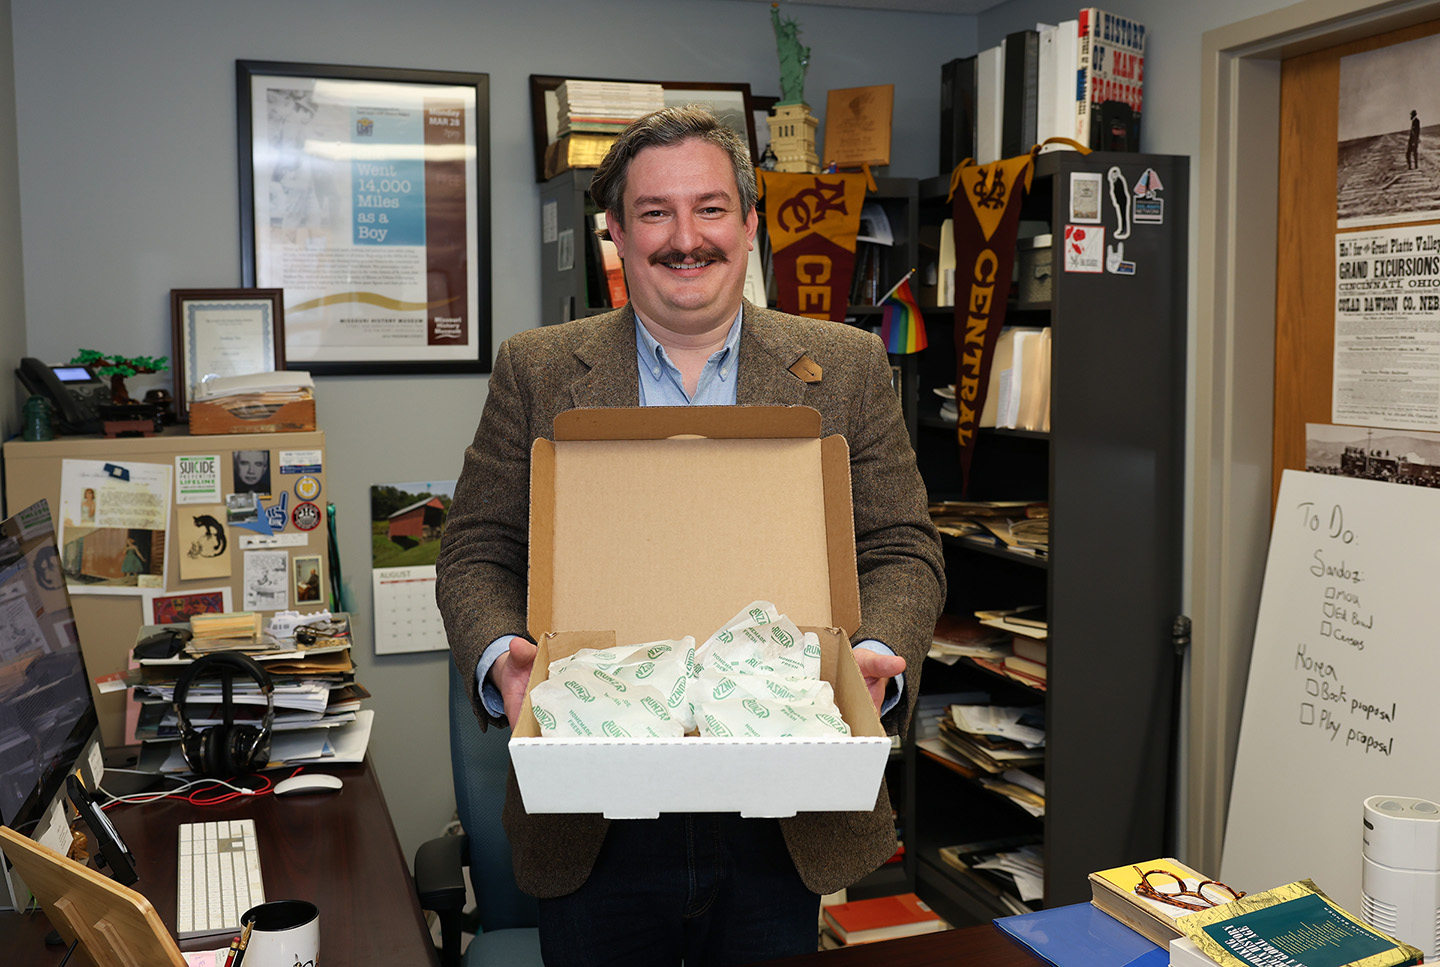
x=661 y=384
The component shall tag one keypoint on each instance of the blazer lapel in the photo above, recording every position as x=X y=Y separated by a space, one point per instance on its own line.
x=611 y=377
x=767 y=351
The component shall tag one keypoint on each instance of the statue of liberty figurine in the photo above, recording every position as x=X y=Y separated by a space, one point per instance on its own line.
x=794 y=58
x=792 y=126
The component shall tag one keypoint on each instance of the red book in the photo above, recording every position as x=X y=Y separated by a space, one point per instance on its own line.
x=881 y=918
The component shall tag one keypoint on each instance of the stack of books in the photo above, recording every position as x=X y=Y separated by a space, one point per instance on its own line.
x=1081 y=79
x=1026 y=661
x=590 y=114
x=880 y=918
x=228 y=631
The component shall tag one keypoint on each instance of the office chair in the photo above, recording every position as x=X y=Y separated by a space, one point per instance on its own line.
x=506 y=918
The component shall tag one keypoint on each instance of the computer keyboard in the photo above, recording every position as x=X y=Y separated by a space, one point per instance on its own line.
x=219 y=877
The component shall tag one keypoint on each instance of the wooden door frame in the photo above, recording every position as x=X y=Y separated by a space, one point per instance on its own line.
x=1234 y=378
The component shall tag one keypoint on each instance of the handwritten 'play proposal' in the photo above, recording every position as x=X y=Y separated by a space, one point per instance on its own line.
x=1341 y=694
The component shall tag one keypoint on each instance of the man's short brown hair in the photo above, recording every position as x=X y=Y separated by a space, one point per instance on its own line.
x=664 y=128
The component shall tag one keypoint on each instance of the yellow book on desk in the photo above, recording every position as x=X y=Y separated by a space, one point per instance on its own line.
x=1114 y=891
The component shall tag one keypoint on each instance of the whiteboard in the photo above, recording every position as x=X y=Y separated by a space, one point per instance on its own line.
x=1341 y=698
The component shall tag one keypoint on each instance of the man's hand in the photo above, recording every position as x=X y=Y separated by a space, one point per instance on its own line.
x=878 y=669
x=511 y=674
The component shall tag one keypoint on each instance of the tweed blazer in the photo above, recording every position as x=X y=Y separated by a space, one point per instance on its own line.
x=842 y=372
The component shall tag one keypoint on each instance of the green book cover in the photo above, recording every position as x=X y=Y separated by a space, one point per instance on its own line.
x=1292 y=926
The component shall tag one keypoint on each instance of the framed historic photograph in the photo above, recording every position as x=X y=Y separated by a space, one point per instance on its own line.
x=223 y=332
x=365 y=197
x=732 y=103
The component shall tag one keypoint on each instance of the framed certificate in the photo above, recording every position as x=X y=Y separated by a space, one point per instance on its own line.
x=365 y=198
x=223 y=332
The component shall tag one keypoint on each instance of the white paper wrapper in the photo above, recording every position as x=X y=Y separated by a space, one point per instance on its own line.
x=759 y=676
x=634 y=690
x=760 y=640
x=765 y=707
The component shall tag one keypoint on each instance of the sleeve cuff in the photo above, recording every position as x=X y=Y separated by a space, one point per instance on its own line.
x=896 y=688
x=490 y=696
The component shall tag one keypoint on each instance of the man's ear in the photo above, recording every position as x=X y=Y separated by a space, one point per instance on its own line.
x=752 y=224
x=616 y=230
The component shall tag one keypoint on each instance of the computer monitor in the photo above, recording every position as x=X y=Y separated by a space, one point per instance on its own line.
x=48 y=725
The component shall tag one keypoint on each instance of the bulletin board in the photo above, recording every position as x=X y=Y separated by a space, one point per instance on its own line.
x=203 y=554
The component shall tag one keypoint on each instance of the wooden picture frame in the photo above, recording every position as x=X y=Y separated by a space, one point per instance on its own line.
x=733 y=101
x=223 y=332
x=365 y=195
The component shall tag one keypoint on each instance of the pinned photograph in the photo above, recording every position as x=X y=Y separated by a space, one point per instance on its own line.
x=1388 y=154
x=204 y=540
x=309 y=589
x=161 y=608
x=266 y=581
x=112 y=526
x=251 y=472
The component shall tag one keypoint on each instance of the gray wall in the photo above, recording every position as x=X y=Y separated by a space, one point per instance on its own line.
x=12 y=288
x=127 y=176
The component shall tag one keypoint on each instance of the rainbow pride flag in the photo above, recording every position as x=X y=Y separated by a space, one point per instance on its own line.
x=903 y=327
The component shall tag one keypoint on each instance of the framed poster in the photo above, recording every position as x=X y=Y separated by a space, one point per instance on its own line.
x=364 y=196
x=732 y=103
x=223 y=332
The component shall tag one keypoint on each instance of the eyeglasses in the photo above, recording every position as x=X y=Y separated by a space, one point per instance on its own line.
x=1166 y=887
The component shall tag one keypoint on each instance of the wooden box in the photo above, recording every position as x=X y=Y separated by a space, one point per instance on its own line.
x=251 y=414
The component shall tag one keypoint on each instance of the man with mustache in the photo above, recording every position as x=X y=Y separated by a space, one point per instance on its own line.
x=679 y=194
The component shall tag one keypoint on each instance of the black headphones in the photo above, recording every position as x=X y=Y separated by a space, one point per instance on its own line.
x=226 y=750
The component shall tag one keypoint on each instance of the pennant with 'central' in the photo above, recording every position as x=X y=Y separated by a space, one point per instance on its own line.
x=813 y=221
x=987 y=201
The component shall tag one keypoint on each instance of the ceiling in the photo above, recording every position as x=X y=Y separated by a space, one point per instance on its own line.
x=912 y=6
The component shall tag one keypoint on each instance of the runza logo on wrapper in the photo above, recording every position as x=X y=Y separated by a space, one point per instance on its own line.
x=756 y=709
x=581 y=692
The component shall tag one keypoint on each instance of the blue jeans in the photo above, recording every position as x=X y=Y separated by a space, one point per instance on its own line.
x=698 y=888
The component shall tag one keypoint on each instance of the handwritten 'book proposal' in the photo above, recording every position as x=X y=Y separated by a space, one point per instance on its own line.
x=1292 y=924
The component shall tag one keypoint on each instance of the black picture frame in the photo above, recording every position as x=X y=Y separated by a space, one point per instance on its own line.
x=252 y=334
x=358 y=302
x=542 y=106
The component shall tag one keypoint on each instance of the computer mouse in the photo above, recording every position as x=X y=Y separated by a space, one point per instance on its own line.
x=310 y=782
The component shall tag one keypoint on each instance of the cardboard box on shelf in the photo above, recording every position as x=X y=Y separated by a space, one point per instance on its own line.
x=653 y=523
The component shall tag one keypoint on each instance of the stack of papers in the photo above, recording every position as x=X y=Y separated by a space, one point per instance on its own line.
x=318 y=714
x=604 y=107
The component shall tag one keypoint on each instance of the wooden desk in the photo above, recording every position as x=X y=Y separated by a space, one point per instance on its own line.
x=984 y=944
x=337 y=850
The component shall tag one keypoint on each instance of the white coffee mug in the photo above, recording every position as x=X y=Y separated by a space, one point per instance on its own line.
x=283 y=933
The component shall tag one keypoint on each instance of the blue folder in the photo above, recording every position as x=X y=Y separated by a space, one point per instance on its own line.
x=1083 y=935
